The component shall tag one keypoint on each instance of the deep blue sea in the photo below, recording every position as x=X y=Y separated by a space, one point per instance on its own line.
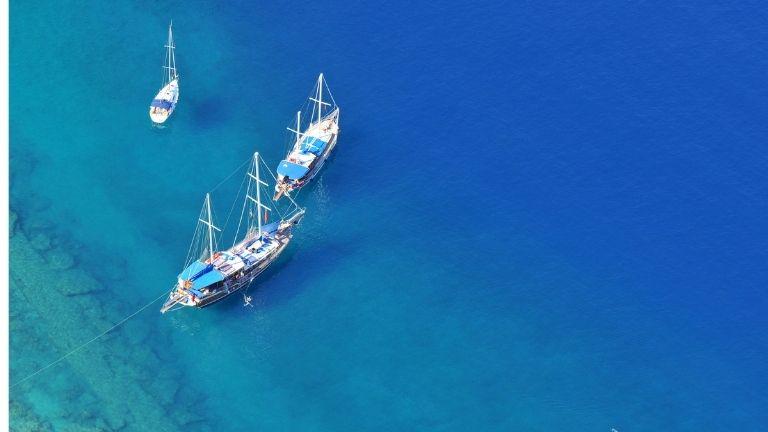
x=540 y=216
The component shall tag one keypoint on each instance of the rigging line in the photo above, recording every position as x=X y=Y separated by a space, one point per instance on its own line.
x=295 y=196
x=165 y=60
x=325 y=83
x=223 y=228
x=290 y=136
x=192 y=247
x=242 y=212
x=277 y=209
x=230 y=175
x=268 y=170
x=60 y=359
x=291 y=208
x=274 y=203
x=213 y=232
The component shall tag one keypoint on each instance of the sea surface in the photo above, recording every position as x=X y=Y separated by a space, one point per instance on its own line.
x=540 y=216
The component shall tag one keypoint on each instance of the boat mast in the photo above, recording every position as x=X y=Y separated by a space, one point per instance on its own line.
x=257 y=200
x=318 y=99
x=210 y=225
x=319 y=96
x=209 y=222
x=171 y=66
x=297 y=131
x=258 y=192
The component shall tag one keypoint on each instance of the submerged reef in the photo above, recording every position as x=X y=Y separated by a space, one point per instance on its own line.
x=117 y=383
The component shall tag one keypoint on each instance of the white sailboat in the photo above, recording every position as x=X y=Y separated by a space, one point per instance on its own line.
x=211 y=274
x=164 y=103
x=311 y=146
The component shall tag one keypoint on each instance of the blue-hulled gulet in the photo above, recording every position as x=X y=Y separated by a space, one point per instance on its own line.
x=310 y=148
x=210 y=274
x=165 y=101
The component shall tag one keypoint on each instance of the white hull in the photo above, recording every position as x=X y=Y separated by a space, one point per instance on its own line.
x=327 y=130
x=210 y=275
x=168 y=95
x=238 y=274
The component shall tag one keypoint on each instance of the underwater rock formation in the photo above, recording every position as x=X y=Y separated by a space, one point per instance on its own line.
x=123 y=383
x=24 y=420
x=59 y=259
x=41 y=242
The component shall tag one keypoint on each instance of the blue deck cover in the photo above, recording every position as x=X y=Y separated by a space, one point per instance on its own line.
x=270 y=227
x=202 y=275
x=159 y=103
x=313 y=145
x=291 y=170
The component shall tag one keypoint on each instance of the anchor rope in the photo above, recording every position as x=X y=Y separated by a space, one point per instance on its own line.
x=122 y=321
x=80 y=347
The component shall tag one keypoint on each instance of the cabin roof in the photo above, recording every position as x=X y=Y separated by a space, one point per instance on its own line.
x=291 y=170
x=160 y=103
x=205 y=275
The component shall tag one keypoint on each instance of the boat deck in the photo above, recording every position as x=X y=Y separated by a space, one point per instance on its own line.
x=316 y=138
x=244 y=255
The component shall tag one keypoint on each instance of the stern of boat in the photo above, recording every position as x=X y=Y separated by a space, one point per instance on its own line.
x=158 y=118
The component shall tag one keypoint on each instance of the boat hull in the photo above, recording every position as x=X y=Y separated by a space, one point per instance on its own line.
x=164 y=103
x=236 y=284
x=236 y=281
x=283 y=187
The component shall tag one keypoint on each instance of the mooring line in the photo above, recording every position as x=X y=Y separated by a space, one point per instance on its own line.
x=60 y=359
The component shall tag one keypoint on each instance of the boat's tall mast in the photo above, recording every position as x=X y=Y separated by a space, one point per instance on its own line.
x=319 y=97
x=257 y=200
x=297 y=131
x=258 y=192
x=209 y=222
x=171 y=66
x=298 y=126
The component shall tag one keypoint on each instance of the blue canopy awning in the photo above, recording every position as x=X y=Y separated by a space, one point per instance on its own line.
x=313 y=145
x=159 y=103
x=291 y=170
x=202 y=275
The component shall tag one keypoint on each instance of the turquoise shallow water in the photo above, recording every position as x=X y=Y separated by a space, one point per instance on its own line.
x=539 y=217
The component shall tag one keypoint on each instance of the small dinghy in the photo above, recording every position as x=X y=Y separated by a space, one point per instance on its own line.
x=310 y=148
x=211 y=274
x=163 y=104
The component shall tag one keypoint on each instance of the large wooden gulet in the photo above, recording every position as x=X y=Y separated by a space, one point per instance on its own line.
x=311 y=146
x=210 y=274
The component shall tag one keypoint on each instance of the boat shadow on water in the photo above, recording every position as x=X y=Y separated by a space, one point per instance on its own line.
x=208 y=112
